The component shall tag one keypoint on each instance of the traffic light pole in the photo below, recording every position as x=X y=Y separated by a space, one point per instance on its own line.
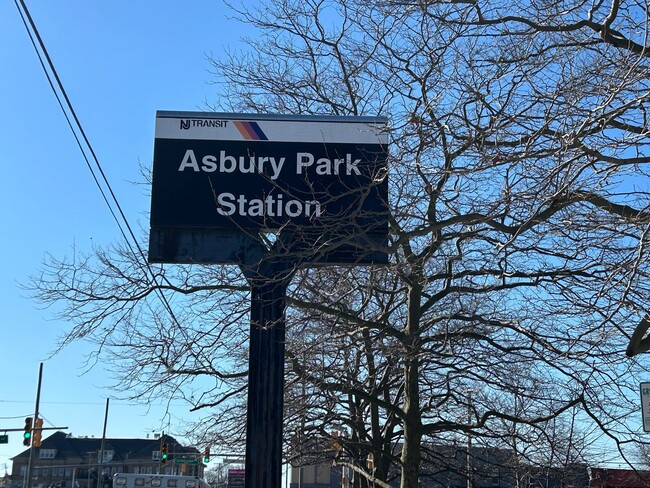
x=28 y=476
x=264 y=418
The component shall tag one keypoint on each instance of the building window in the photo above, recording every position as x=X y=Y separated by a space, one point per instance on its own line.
x=319 y=474
x=155 y=455
x=47 y=453
x=309 y=474
x=323 y=473
x=107 y=456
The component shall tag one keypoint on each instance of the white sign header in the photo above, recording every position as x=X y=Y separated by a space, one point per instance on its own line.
x=256 y=127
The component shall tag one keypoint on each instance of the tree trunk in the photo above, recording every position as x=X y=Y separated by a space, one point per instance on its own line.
x=411 y=454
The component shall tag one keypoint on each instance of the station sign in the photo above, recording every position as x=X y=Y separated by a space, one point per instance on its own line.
x=242 y=173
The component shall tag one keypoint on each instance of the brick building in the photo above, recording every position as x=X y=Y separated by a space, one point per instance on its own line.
x=63 y=461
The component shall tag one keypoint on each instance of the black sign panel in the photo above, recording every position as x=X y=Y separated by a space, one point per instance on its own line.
x=226 y=177
x=232 y=184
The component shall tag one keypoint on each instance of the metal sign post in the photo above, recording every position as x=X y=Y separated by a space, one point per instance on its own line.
x=264 y=420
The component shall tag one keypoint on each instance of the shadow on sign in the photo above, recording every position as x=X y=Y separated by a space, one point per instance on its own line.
x=225 y=246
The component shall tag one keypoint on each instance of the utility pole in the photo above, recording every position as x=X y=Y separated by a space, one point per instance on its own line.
x=28 y=476
x=470 y=477
x=101 y=448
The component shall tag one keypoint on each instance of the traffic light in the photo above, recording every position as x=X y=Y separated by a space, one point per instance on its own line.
x=163 y=454
x=27 y=433
x=370 y=462
x=206 y=455
x=336 y=445
x=38 y=430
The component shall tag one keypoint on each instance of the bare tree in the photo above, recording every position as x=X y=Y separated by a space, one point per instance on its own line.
x=518 y=134
x=519 y=235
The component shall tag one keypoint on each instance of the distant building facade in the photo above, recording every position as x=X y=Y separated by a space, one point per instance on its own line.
x=618 y=478
x=451 y=467
x=63 y=461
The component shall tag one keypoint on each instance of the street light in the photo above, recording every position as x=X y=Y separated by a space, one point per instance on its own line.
x=638 y=343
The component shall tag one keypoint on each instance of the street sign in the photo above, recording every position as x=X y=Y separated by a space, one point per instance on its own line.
x=4 y=439
x=185 y=460
x=645 y=406
x=233 y=461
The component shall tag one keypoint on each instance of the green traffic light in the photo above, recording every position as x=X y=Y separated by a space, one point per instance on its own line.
x=27 y=435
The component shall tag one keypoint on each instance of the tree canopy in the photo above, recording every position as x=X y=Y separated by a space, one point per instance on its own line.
x=518 y=238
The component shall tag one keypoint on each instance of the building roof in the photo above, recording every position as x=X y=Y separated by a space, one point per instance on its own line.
x=68 y=447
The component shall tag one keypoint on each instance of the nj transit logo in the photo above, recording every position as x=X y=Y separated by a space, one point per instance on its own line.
x=187 y=124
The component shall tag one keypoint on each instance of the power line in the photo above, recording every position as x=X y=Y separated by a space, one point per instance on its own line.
x=119 y=404
x=80 y=135
x=33 y=33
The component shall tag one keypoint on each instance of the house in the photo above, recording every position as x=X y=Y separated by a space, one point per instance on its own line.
x=64 y=461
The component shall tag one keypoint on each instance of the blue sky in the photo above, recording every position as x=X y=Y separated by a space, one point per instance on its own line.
x=119 y=61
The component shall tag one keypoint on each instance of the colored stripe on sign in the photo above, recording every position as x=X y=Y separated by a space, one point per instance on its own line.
x=250 y=131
